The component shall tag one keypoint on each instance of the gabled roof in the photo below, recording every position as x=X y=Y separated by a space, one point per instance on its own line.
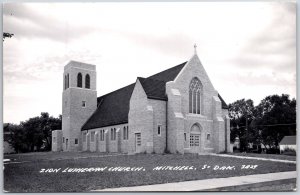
x=288 y=140
x=113 y=108
x=154 y=89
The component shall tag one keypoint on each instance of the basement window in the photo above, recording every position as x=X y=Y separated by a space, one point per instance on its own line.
x=159 y=130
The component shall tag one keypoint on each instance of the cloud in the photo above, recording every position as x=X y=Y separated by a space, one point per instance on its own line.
x=275 y=46
x=26 y=21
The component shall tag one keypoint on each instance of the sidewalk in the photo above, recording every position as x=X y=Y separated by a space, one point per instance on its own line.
x=255 y=158
x=202 y=185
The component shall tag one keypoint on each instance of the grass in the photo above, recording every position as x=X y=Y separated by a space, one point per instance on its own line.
x=25 y=177
x=269 y=156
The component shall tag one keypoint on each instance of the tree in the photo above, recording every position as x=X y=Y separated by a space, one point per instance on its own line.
x=16 y=138
x=241 y=114
x=34 y=133
x=275 y=117
x=7 y=35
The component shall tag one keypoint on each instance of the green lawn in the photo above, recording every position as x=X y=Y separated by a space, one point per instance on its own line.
x=26 y=177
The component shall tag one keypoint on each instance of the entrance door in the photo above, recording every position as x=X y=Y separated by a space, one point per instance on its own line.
x=67 y=144
x=195 y=136
x=138 y=142
x=195 y=143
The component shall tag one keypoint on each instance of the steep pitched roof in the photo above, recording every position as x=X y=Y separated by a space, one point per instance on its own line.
x=113 y=108
x=154 y=89
x=288 y=140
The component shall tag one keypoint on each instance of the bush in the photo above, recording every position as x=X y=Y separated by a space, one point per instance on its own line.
x=289 y=152
x=273 y=151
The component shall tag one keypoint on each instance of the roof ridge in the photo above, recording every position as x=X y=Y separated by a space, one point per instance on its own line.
x=143 y=78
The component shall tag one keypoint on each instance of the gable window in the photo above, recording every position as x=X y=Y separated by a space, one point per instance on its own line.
x=195 y=91
x=79 y=80
x=87 y=81
x=159 y=130
x=76 y=141
x=83 y=104
x=93 y=136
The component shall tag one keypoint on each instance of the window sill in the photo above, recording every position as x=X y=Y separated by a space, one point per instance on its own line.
x=196 y=115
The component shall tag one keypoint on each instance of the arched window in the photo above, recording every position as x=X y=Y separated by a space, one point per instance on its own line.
x=79 y=80
x=195 y=96
x=65 y=82
x=68 y=81
x=87 y=81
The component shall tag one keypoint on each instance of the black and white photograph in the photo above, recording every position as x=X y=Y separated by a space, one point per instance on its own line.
x=149 y=97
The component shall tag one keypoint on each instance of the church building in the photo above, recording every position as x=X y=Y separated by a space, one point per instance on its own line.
x=177 y=110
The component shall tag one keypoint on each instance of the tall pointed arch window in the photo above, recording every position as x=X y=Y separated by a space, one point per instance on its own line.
x=79 y=80
x=87 y=81
x=195 y=92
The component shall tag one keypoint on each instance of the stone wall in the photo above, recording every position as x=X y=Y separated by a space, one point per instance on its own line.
x=107 y=145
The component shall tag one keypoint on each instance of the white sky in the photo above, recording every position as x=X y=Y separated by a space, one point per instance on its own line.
x=248 y=49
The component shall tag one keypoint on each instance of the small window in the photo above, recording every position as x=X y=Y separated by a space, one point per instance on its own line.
x=184 y=136
x=76 y=141
x=208 y=137
x=93 y=136
x=113 y=134
x=159 y=130
x=125 y=132
x=83 y=104
x=102 y=135
x=63 y=139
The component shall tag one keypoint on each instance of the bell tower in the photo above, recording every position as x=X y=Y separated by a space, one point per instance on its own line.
x=79 y=101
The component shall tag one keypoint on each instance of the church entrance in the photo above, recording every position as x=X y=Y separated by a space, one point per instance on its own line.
x=67 y=144
x=195 y=136
x=138 y=142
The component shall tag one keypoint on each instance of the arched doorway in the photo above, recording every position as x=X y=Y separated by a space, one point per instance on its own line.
x=195 y=136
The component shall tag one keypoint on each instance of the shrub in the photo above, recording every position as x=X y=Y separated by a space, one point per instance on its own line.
x=289 y=152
